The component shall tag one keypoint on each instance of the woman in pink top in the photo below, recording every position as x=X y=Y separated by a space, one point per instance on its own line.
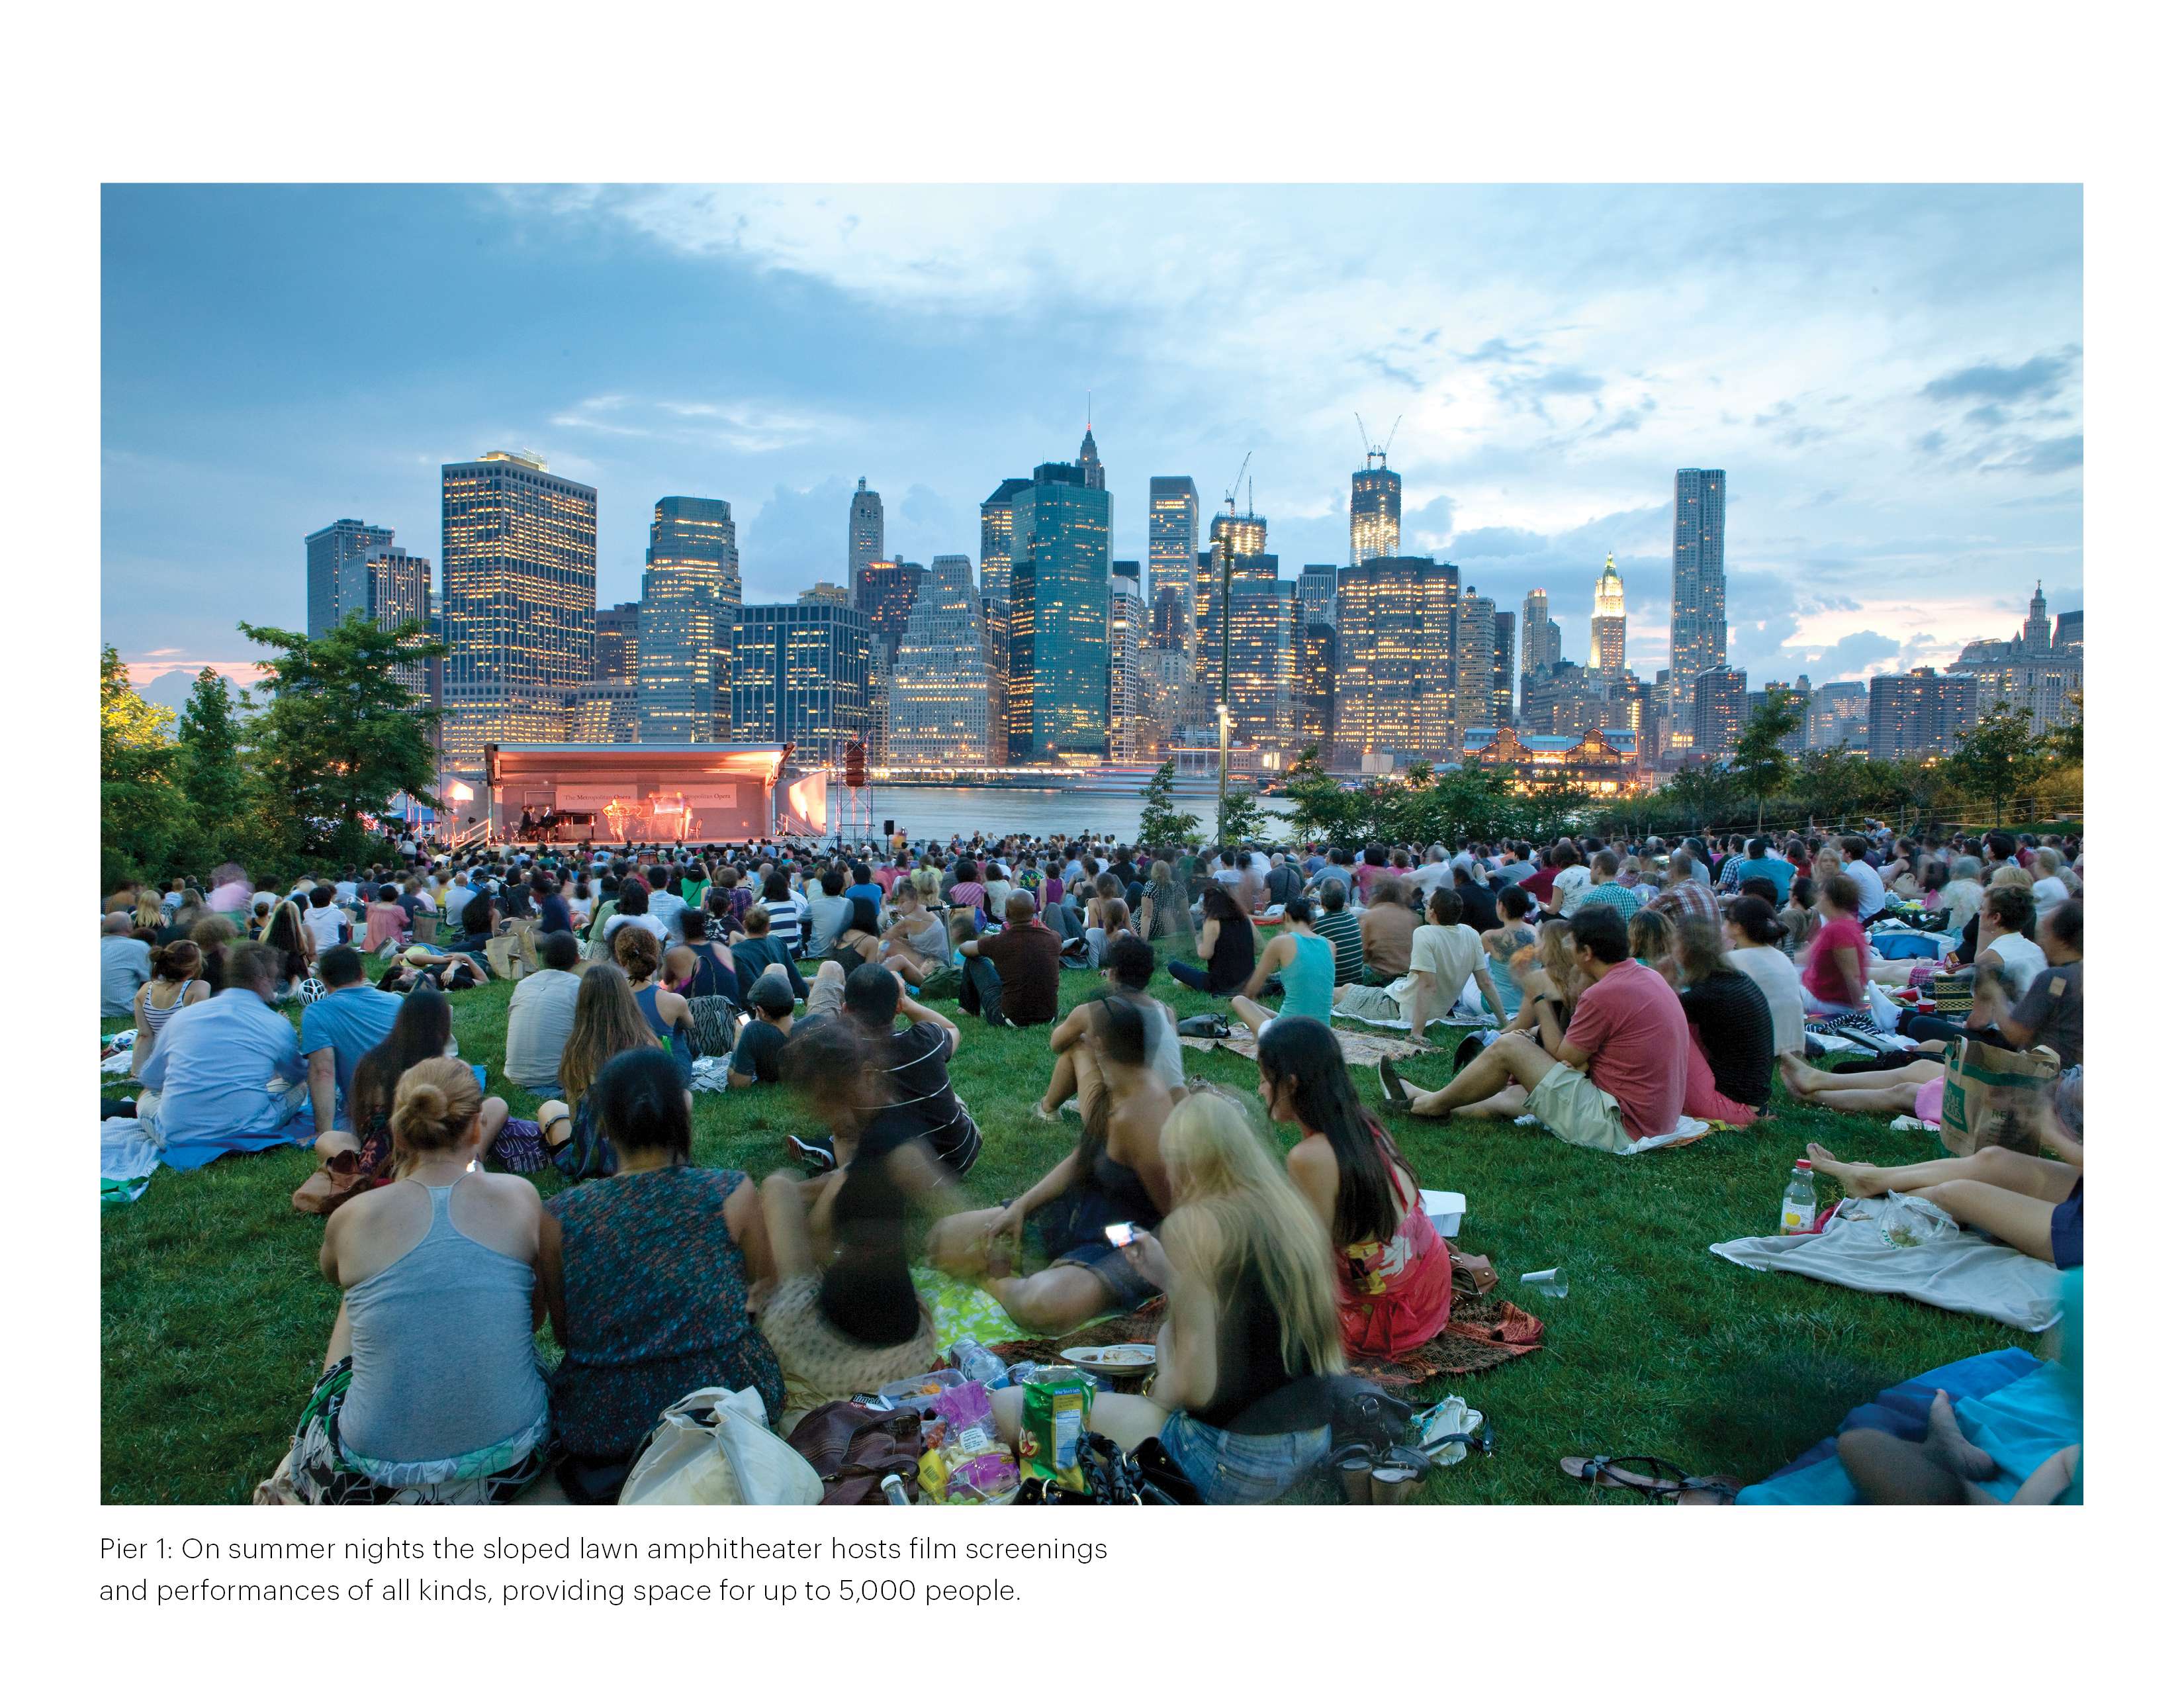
x=386 y=921
x=1838 y=961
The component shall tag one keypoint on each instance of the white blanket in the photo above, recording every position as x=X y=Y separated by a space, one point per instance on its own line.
x=1687 y=1129
x=128 y=1152
x=1930 y=1259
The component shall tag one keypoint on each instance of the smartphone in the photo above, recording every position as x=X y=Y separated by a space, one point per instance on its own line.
x=1120 y=1234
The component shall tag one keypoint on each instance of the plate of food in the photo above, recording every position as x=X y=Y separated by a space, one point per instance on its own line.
x=1114 y=1360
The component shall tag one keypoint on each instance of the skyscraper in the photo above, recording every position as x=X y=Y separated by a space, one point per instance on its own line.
x=613 y=644
x=691 y=569
x=1720 y=704
x=1262 y=664
x=997 y=574
x=940 y=712
x=1376 y=509
x=1315 y=594
x=335 y=581
x=1473 y=658
x=1394 y=693
x=1698 y=616
x=1088 y=460
x=1172 y=549
x=398 y=588
x=1607 y=624
x=1505 y=667
x=1126 y=668
x=1910 y=717
x=797 y=673
x=1543 y=639
x=883 y=593
x=867 y=528
x=1246 y=536
x=1061 y=538
x=518 y=561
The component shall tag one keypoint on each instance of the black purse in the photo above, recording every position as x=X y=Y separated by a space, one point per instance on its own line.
x=1146 y=1477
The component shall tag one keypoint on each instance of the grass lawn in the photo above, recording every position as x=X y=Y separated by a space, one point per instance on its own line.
x=215 y=1319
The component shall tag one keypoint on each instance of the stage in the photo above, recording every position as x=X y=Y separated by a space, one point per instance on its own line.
x=645 y=793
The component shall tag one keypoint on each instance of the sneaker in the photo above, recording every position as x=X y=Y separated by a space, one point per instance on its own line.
x=816 y=1155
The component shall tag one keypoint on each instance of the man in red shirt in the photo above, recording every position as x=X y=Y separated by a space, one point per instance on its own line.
x=1013 y=977
x=1541 y=884
x=1616 y=1075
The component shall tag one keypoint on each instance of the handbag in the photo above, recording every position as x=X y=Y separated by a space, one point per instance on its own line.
x=852 y=1448
x=1991 y=1097
x=1203 y=1026
x=712 y=1025
x=337 y=1179
x=712 y=1448
x=1953 y=992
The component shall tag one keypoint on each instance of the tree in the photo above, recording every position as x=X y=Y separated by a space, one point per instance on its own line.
x=144 y=821
x=1319 y=808
x=1998 y=759
x=212 y=773
x=343 y=735
x=1239 y=815
x=1763 y=766
x=1161 y=825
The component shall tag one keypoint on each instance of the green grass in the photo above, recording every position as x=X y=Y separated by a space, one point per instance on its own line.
x=215 y=1319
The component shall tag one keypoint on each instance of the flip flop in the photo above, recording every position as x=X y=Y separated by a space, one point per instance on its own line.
x=1391 y=1087
x=1656 y=1479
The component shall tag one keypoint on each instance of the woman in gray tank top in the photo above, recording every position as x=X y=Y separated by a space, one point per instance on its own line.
x=432 y=1392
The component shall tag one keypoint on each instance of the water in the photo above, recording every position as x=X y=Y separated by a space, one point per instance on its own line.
x=941 y=811
x=1801 y=1206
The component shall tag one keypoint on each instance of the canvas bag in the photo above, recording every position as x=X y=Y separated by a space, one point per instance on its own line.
x=1990 y=1096
x=712 y=1448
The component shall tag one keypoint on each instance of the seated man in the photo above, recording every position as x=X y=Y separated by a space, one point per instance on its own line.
x=758 y=949
x=1615 y=1075
x=339 y=1029
x=228 y=1071
x=757 y=1057
x=1013 y=977
x=912 y=1103
x=1444 y=954
x=125 y=962
x=541 y=1015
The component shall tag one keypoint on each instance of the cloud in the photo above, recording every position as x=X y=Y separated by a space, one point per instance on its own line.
x=1853 y=656
x=731 y=426
x=2038 y=377
x=2041 y=457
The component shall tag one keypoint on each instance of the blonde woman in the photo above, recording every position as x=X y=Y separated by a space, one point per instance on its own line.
x=1243 y=1261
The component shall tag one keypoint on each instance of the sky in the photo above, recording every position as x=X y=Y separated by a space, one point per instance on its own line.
x=1890 y=376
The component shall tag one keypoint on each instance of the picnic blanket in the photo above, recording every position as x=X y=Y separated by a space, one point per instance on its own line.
x=1904 y=1246
x=962 y=1311
x=1688 y=1130
x=1359 y=1049
x=128 y=1151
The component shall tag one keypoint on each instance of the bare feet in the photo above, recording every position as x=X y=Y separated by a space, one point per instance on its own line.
x=1857 y=1177
x=1799 y=1075
x=1945 y=1442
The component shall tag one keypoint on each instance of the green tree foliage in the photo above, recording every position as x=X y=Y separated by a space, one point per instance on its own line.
x=1161 y=825
x=1999 y=759
x=144 y=820
x=1239 y=815
x=214 y=771
x=341 y=736
x=1763 y=766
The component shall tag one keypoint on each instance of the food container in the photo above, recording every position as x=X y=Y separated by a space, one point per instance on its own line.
x=1444 y=1207
x=921 y=1391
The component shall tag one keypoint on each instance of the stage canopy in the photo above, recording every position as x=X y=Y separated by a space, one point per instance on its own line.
x=648 y=793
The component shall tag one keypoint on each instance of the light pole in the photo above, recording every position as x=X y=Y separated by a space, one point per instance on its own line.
x=1221 y=710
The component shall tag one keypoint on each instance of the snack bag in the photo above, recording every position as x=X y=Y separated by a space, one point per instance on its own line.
x=1055 y=1401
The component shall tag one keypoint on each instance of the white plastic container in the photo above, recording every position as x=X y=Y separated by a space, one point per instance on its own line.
x=1446 y=1208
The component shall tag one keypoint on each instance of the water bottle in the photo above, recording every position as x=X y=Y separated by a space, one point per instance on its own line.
x=1801 y=1206
x=978 y=1363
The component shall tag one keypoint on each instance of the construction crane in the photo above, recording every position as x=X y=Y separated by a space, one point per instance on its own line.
x=1230 y=500
x=1379 y=451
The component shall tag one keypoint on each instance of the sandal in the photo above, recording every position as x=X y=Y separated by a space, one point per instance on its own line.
x=1657 y=1480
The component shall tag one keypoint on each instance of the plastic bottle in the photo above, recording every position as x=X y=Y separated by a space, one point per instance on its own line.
x=978 y=1362
x=1800 y=1205
x=891 y=1485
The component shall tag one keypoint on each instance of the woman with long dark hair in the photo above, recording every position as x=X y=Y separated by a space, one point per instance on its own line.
x=423 y=1027
x=607 y=1022
x=1224 y=944
x=1392 y=1283
x=649 y=1298
x=291 y=941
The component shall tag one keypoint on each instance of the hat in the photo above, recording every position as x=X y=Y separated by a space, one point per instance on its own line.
x=772 y=992
x=418 y=955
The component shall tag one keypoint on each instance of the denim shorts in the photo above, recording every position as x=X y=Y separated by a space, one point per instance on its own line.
x=1230 y=1470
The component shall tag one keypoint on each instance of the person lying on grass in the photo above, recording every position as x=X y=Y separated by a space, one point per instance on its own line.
x=1618 y=1073
x=1112 y=1174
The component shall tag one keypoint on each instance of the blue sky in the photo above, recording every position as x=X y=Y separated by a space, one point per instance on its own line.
x=1891 y=377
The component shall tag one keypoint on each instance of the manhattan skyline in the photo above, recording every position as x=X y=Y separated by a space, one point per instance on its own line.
x=1889 y=378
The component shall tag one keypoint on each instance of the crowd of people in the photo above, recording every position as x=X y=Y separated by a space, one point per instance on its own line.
x=1611 y=987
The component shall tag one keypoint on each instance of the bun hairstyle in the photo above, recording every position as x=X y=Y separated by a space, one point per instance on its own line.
x=180 y=959
x=434 y=1105
x=637 y=952
x=1755 y=919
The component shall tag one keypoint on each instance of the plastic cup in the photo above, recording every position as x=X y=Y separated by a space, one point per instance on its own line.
x=1550 y=1283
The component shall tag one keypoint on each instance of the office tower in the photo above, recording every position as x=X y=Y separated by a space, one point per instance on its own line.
x=796 y=673
x=2038 y=638
x=1315 y=594
x=1249 y=532
x=1059 y=539
x=1915 y=716
x=1318 y=657
x=1170 y=671
x=1698 y=615
x=519 y=561
x=1473 y=658
x=867 y=528
x=1129 y=569
x=1558 y=700
x=606 y=712
x=1263 y=665
x=398 y=588
x=1505 y=666
x=1240 y=546
x=996 y=520
x=1720 y=704
x=691 y=569
x=1171 y=548
x=825 y=591
x=940 y=707
x=1376 y=509
x=1088 y=461
x=613 y=643
x=1394 y=693
x=1836 y=716
x=1126 y=668
x=2071 y=633
x=1543 y=639
x=335 y=583
x=2042 y=669
x=1606 y=656
x=883 y=594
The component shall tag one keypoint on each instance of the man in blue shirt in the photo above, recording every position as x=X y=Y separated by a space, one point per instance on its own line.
x=338 y=1028
x=227 y=1072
